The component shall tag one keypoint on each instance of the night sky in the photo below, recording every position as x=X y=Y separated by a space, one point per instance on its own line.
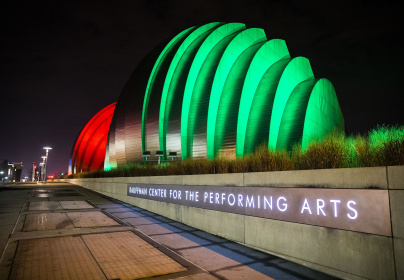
x=63 y=61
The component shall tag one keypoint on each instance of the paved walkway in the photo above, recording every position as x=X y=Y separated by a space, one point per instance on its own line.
x=63 y=231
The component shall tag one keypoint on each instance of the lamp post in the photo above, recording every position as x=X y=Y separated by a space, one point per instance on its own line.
x=42 y=164
x=33 y=171
x=46 y=160
x=40 y=176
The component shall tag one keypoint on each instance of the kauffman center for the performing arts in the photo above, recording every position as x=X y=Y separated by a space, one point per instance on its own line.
x=217 y=90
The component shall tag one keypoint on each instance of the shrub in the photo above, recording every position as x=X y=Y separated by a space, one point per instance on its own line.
x=239 y=165
x=328 y=153
x=197 y=166
x=384 y=145
x=266 y=160
x=222 y=165
x=351 y=153
x=362 y=157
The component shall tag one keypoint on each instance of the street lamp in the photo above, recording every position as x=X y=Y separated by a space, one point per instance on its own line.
x=42 y=164
x=46 y=160
x=33 y=171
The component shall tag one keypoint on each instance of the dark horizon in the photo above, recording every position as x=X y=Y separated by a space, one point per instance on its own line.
x=65 y=61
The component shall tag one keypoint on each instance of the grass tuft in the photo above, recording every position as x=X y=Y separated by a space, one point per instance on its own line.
x=383 y=146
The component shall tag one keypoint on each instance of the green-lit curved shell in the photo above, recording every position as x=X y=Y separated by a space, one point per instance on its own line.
x=150 y=140
x=221 y=90
x=237 y=46
x=297 y=71
x=174 y=85
x=208 y=55
x=323 y=113
x=251 y=113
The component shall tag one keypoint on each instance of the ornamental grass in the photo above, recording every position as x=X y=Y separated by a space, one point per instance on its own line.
x=383 y=146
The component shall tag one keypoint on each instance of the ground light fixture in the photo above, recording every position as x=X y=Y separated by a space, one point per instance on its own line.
x=46 y=161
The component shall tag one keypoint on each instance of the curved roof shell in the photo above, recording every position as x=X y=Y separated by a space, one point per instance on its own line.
x=220 y=90
x=88 y=153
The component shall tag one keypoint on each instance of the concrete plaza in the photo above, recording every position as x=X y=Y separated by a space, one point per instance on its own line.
x=63 y=231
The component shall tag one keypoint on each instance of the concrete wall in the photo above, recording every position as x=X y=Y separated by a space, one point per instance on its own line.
x=346 y=254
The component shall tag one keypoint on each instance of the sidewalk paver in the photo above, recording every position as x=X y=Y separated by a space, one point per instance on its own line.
x=54 y=258
x=63 y=231
x=44 y=206
x=47 y=221
x=123 y=255
x=91 y=219
x=75 y=205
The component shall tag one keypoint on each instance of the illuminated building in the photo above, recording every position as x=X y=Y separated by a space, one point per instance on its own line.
x=10 y=171
x=220 y=90
x=88 y=152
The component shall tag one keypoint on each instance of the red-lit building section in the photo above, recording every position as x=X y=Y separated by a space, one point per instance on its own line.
x=89 y=150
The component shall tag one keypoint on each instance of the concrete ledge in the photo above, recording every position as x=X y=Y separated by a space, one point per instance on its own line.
x=328 y=178
x=236 y=179
x=397 y=212
x=341 y=253
x=175 y=180
x=365 y=177
x=399 y=257
x=396 y=177
x=227 y=225
x=139 y=180
x=171 y=211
